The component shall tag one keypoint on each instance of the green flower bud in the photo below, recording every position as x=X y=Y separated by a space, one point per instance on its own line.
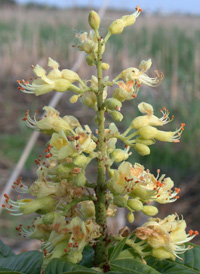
x=90 y=60
x=130 y=217
x=113 y=104
x=80 y=160
x=94 y=20
x=117 y=26
x=74 y=257
x=119 y=155
x=120 y=201
x=80 y=180
x=135 y=204
x=64 y=170
x=116 y=115
x=150 y=210
x=74 y=99
x=105 y=66
x=48 y=218
x=142 y=149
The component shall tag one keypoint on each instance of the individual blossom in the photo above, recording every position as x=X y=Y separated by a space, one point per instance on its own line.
x=44 y=188
x=51 y=122
x=127 y=90
x=149 y=118
x=118 y=25
x=121 y=179
x=166 y=237
x=150 y=188
x=28 y=206
x=70 y=239
x=150 y=133
x=83 y=140
x=37 y=230
x=59 y=81
x=139 y=75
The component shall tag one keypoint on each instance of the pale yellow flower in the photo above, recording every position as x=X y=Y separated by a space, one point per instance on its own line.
x=166 y=235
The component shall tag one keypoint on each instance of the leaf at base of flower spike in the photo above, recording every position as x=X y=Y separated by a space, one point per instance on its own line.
x=132 y=266
x=88 y=257
x=5 y=251
x=117 y=249
x=61 y=266
x=28 y=262
x=129 y=253
x=190 y=263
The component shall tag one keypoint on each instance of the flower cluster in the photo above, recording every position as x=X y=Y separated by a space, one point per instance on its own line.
x=72 y=210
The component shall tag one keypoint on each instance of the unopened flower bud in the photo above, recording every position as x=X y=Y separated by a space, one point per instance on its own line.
x=94 y=20
x=120 y=201
x=87 y=210
x=48 y=218
x=74 y=99
x=63 y=170
x=80 y=160
x=105 y=66
x=113 y=104
x=119 y=155
x=80 y=180
x=142 y=149
x=150 y=210
x=130 y=217
x=116 y=115
x=90 y=60
x=117 y=26
x=135 y=204
x=75 y=257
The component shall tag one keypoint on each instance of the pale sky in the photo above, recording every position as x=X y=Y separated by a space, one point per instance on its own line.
x=182 y=6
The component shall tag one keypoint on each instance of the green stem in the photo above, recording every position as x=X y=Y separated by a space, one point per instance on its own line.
x=101 y=250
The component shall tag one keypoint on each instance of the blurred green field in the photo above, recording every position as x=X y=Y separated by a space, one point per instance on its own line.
x=30 y=36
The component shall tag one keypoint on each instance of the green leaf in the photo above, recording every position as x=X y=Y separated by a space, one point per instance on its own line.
x=190 y=263
x=117 y=249
x=5 y=251
x=81 y=272
x=129 y=253
x=9 y=272
x=60 y=266
x=88 y=257
x=28 y=262
x=132 y=266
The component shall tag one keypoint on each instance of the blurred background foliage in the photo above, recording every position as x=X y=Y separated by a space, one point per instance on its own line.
x=30 y=34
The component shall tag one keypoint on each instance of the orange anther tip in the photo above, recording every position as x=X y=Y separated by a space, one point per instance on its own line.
x=3 y=205
x=196 y=232
x=176 y=141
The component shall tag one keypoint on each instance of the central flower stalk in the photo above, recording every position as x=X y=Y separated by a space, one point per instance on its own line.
x=101 y=253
